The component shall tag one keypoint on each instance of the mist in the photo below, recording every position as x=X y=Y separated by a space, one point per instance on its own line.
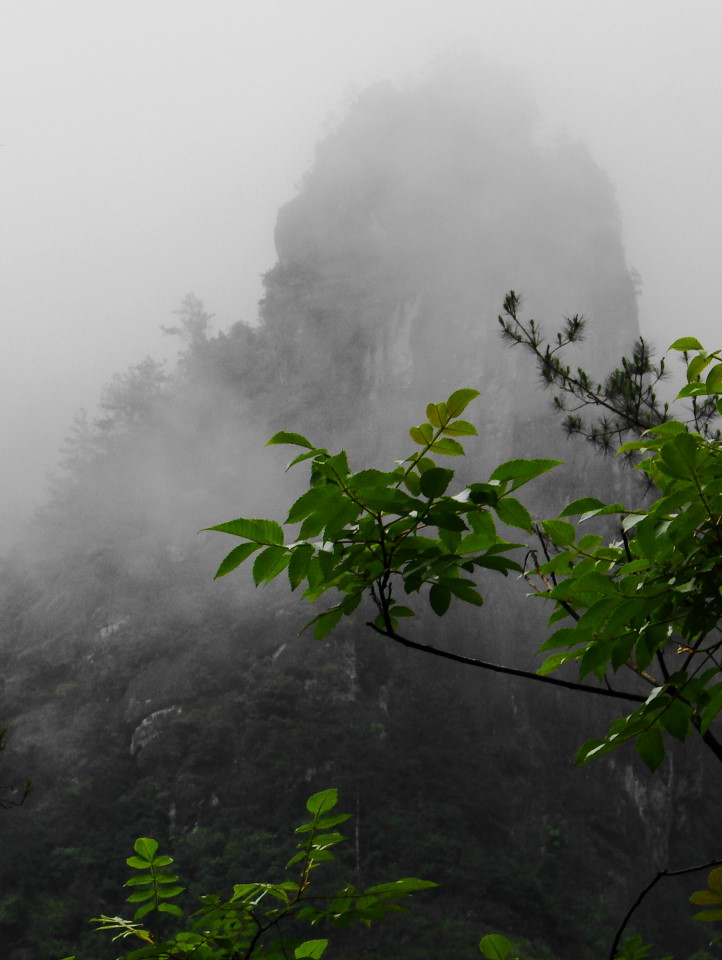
x=221 y=224
x=146 y=150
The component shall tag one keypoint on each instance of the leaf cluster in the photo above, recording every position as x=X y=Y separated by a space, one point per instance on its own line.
x=650 y=601
x=252 y=922
x=626 y=402
x=382 y=532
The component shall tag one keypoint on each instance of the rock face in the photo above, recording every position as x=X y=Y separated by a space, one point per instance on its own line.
x=424 y=206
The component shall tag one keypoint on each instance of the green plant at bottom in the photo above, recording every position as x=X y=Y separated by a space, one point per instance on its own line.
x=253 y=922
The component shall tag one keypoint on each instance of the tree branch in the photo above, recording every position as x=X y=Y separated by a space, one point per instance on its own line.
x=647 y=889
x=511 y=671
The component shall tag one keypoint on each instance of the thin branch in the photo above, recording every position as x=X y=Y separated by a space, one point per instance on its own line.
x=647 y=889
x=511 y=671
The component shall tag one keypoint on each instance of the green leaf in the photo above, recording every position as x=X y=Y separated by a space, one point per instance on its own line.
x=495 y=947
x=235 y=558
x=714 y=379
x=139 y=895
x=312 y=949
x=512 y=511
x=555 y=661
x=263 y=531
x=327 y=622
x=138 y=863
x=697 y=365
x=310 y=501
x=143 y=911
x=166 y=892
x=650 y=747
x=269 y=563
x=171 y=908
x=370 y=478
x=459 y=401
x=295 y=438
x=447 y=447
x=146 y=847
x=413 y=484
x=401 y=888
x=522 y=471
x=298 y=563
x=477 y=542
x=686 y=343
x=559 y=532
x=439 y=598
x=584 y=505
x=714 y=881
x=434 y=482
x=679 y=456
x=402 y=612
x=460 y=428
x=433 y=415
x=322 y=802
x=708 y=916
x=423 y=434
x=464 y=590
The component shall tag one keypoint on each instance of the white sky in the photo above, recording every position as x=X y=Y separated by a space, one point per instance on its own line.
x=147 y=145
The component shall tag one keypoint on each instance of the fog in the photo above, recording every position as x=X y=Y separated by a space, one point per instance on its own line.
x=146 y=149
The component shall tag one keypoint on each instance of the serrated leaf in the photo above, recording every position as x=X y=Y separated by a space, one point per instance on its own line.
x=555 y=661
x=522 y=471
x=262 y=531
x=477 y=542
x=464 y=590
x=584 y=505
x=269 y=563
x=310 y=501
x=298 y=563
x=512 y=511
x=447 y=447
x=679 y=456
x=432 y=415
x=459 y=401
x=559 y=532
x=460 y=428
x=235 y=558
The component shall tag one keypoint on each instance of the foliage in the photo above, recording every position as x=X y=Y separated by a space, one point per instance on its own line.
x=636 y=603
x=361 y=532
x=648 y=602
x=626 y=402
x=249 y=923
